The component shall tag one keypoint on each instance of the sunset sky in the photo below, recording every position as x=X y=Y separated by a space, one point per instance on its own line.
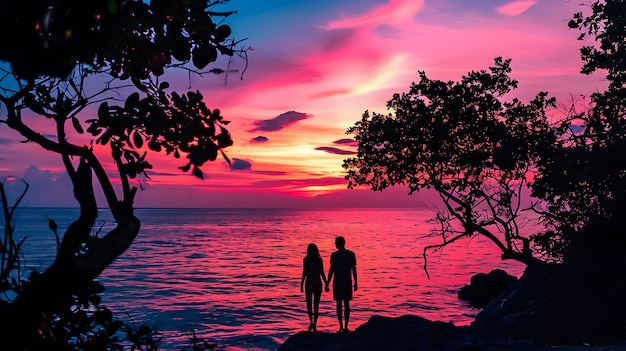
x=314 y=68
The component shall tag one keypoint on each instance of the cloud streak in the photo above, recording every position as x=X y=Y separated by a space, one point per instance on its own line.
x=345 y=141
x=259 y=140
x=393 y=12
x=515 y=8
x=279 y=122
x=334 y=150
x=240 y=165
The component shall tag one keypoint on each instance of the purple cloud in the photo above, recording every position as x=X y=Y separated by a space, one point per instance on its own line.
x=46 y=188
x=334 y=150
x=240 y=165
x=345 y=141
x=283 y=120
x=5 y=141
x=259 y=140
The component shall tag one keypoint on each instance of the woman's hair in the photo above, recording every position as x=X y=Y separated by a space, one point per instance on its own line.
x=312 y=251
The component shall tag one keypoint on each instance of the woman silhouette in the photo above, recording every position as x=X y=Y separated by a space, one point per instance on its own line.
x=313 y=273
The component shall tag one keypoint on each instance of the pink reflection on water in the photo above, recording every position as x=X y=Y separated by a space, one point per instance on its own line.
x=234 y=276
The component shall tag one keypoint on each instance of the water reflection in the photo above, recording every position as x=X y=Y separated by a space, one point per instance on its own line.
x=233 y=277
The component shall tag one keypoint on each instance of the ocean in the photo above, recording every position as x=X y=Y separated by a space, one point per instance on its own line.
x=232 y=276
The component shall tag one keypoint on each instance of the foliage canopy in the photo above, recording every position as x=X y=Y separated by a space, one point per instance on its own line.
x=497 y=164
x=99 y=69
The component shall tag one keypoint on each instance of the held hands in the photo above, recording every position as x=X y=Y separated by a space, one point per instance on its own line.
x=326 y=288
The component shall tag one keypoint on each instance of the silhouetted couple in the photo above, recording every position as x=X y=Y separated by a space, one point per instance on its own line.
x=342 y=268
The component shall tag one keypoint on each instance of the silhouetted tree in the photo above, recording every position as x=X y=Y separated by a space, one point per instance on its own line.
x=483 y=155
x=584 y=180
x=65 y=58
x=461 y=140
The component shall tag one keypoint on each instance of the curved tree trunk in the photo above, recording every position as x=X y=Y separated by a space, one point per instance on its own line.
x=73 y=266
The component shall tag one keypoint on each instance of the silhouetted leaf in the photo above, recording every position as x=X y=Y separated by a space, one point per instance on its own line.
x=103 y=112
x=181 y=48
x=77 y=125
x=104 y=138
x=222 y=32
x=224 y=139
x=203 y=55
x=137 y=139
x=154 y=145
x=197 y=172
x=572 y=24
x=138 y=84
x=225 y=157
x=132 y=101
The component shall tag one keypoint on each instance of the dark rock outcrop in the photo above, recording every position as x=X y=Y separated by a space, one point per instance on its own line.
x=380 y=333
x=412 y=333
x=574 y=307
x=485 y=287
x=561 y=305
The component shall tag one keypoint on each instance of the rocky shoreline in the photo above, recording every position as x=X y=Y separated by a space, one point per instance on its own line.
x=409 y=333
x=573 y=308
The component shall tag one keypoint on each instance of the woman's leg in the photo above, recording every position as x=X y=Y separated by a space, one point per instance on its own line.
x=309 y=308
x=316 y=308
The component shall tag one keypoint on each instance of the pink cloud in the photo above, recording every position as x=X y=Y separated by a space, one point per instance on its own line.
x=393 y=12
x=298 y=183
x=515 y=8
x=329 y=93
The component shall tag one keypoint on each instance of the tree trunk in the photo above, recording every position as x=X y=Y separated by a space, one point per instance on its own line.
x=73 y=267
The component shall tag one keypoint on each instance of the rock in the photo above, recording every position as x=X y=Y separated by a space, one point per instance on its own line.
x=575 y=308
x=410 y=333
x=379 y=333
x=561 y=305
x=485 y=287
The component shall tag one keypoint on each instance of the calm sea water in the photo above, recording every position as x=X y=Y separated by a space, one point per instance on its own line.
x=233 y=275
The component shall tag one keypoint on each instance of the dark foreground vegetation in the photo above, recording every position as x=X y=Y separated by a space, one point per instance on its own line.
x=96 y=71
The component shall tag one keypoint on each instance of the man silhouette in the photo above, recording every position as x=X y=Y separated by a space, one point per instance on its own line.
x=342 y=268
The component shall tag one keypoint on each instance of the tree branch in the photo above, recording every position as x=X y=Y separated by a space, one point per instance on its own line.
x=439 y=246
x=14 y=121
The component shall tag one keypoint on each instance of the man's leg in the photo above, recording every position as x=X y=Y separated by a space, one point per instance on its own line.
x=339 y=315
x=347 y=314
